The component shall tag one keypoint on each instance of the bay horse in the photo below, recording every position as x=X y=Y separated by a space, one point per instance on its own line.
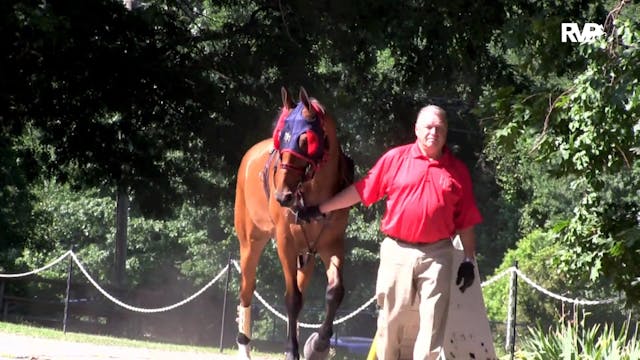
x=302 y=164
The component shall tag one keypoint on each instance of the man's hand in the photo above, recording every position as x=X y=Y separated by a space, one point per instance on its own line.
x=309 y=213
x=465 y=274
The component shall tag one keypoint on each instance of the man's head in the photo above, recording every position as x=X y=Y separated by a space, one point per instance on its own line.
x=431 y=130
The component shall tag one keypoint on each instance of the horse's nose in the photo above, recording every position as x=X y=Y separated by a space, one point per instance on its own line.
x=285 y=198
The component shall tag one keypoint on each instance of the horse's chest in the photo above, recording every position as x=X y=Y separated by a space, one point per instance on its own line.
x=303 y=238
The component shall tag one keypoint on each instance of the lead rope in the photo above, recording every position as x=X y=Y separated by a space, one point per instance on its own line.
x=302 y=258
x=311 y=251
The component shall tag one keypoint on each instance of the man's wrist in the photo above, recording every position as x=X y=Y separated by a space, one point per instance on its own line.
x=470 y=259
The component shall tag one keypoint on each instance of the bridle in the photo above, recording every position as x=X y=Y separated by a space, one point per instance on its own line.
x=307 y=171
x=286 y=139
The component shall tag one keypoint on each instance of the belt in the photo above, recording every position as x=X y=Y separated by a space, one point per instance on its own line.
x=416 y=243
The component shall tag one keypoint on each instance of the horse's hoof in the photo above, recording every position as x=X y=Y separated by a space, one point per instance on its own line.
x=244 y=352
x=316 y=349
x=291 y=356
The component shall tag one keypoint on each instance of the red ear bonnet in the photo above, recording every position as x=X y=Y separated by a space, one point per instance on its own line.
x=279 y=126
x=313 y=144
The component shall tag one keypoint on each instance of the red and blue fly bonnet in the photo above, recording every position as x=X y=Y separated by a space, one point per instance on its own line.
x=292 y=124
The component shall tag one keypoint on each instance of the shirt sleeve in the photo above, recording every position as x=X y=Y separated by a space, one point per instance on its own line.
x=466 y=213
x=372 y=187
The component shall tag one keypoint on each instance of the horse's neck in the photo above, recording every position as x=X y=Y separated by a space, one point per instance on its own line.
x=326 y=181
x=328 y=177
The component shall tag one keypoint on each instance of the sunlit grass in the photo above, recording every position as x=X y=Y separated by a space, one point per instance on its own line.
x=48 y=333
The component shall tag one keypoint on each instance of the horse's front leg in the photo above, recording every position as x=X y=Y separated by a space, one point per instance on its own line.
x=250 y=250
x=317 y=346
x=293 y=302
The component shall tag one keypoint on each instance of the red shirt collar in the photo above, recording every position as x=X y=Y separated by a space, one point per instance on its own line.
x=417 y=154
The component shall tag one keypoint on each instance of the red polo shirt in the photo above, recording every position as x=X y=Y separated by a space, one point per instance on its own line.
x=426 y=200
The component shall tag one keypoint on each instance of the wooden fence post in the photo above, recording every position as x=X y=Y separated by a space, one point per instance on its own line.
x=511 y=321
x=2 y=281
x=68 y=291
x=224 y=303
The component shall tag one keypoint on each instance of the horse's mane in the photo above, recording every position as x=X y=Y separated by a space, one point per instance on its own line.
x=318 y=106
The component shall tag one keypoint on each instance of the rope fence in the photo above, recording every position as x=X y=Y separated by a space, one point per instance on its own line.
x=225 y=269
x=302 y=324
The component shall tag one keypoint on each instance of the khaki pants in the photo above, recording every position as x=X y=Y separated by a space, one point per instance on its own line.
x=413 y=294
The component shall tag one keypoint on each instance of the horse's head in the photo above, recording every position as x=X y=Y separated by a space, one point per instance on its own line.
x=299 y=138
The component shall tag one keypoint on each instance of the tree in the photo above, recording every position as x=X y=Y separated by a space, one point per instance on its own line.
x=172 y=93
x=582 y=122
x=118 y=96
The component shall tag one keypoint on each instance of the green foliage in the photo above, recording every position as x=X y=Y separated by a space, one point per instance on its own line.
x=574 y=341
x=112 y=94
x=529 y=40
x=581 y=130
x=536 y=255
x=164 y=100
x=157 y=249
x=529 y=198
x=63 y=218
x=16 y=206
x=533 y=255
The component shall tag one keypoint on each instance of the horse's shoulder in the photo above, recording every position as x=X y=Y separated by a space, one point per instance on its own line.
x=262 y=147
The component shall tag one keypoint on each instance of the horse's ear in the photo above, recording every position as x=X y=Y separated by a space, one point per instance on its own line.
x=286 y=98
x=304 y=98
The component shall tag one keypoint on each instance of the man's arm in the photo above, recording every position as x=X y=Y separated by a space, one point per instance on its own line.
x=468 y=238
x=466 y=273
x=345 y=198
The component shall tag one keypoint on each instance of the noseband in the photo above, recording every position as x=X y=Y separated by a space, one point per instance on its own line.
x=306 y=172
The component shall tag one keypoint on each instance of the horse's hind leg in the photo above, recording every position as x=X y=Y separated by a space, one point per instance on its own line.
x=249 y=257
x=317 y=346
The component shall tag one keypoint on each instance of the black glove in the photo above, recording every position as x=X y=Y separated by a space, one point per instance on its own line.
x=465 y=275
x=309 y=213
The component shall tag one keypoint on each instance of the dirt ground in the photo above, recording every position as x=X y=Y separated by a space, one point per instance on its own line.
x=29 y=348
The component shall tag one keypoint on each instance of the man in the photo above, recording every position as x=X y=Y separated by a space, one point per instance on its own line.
x=429 y=199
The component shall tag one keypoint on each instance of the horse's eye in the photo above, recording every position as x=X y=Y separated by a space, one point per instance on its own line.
x=302 y=142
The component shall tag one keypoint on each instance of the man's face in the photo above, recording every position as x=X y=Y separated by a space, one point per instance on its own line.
x=431 y=132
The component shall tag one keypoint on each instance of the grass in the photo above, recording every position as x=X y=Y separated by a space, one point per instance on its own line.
x=48 y=333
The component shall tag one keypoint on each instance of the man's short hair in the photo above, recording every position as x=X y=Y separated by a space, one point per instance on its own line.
x=434 y=109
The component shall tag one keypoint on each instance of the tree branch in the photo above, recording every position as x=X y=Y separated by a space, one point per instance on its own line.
x=548 y=116
x=286 y=25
